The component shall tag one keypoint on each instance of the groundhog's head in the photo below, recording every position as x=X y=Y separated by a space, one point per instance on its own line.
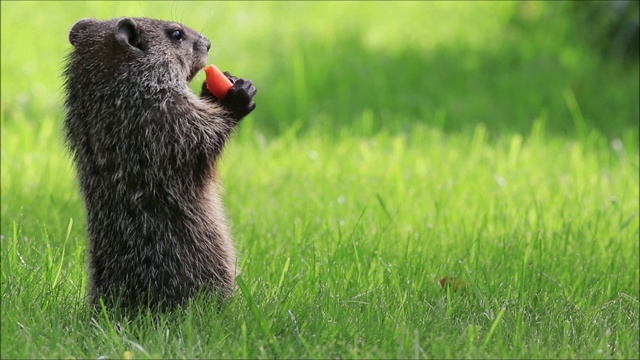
x=140 y=47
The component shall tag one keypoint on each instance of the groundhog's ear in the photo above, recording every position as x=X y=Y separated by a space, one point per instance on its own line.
x=128 y=34
x=78 y=29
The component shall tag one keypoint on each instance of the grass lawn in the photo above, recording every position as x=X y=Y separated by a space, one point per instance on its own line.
x=380 y=158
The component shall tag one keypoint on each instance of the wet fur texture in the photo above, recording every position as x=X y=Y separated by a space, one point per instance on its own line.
x=145 y=149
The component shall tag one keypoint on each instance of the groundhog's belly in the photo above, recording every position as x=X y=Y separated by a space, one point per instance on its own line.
x=160 y=248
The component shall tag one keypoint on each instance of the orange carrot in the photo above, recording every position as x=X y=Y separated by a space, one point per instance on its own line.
x=217 y=83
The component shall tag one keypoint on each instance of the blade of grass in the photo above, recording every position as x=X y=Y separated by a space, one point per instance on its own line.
x=62 y=257
x=494 y=326
x=266 y=332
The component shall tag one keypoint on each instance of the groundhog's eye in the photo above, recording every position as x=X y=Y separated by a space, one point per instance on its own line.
x=177 y=34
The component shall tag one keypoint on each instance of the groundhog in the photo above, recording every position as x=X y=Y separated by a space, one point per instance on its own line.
x=145 y=149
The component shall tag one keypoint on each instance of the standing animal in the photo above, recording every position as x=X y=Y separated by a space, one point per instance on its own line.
x=145 y=149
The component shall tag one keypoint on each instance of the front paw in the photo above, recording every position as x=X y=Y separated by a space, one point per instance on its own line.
x=239 y=99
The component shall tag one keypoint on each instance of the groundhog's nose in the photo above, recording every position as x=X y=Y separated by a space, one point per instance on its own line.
x=201 y=43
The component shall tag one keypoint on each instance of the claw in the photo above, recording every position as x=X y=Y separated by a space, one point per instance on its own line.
x=239 y=98
x=230 y=77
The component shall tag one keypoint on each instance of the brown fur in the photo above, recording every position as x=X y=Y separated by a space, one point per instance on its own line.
x=145 y=149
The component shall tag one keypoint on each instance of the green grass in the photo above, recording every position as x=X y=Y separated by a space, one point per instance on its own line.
x=380 y=158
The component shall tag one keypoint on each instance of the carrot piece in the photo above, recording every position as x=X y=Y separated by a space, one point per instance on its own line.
x=217 y=83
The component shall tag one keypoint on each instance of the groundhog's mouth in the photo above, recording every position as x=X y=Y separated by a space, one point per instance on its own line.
x=194 y=71
x=192 y=75
x=196 y=67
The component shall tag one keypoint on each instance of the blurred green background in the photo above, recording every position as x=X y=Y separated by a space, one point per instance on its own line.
x=365 y=66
